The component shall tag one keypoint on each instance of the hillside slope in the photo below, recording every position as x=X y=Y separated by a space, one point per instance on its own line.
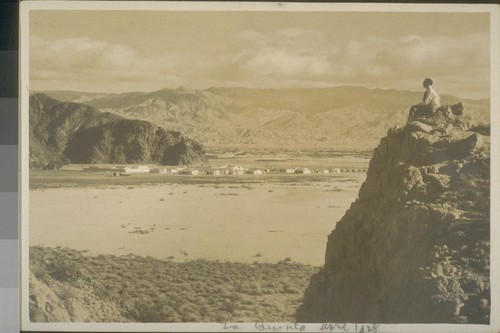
x=414 y=247
x=78 y=133
x=73 y=286
x=350 y=117
x=52 y=123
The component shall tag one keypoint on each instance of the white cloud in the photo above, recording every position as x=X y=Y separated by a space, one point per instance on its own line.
x=403 y=62
x=95 y=63
x=283 y=62
x=286 y=38
x=288 y=54
x=118 y=56
x=92 y=55
x=291 y=56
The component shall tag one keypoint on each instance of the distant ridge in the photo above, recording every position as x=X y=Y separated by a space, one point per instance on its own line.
x=344 y=117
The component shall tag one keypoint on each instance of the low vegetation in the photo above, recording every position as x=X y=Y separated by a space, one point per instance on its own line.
x=145 y=289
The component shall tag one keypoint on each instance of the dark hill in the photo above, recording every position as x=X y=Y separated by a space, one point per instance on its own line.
x=132 y=141
x=415 y=246
x=78 y=133
x=53 y=123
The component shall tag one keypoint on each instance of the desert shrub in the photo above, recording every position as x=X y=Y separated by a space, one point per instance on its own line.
x=40 y=272
x=287 y=289
x=65 y=293
x=64 y=271
x=146 y=311
x=189 y=313
x=227 y=306
x=146 y=289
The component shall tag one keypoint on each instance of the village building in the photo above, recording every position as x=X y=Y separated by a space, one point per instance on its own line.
x=158 y=170
x=137 y=169
x=103 y=169
x=237 y=170
x=214 y=172
x=193 y=172
x=303 y=171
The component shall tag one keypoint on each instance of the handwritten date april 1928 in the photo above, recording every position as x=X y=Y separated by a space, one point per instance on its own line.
x=297 y=327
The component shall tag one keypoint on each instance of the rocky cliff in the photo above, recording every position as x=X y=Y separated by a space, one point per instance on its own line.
x=78 y=133
x=415 y=246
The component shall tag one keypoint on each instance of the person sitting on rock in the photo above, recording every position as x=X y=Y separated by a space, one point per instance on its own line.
x=429 y=104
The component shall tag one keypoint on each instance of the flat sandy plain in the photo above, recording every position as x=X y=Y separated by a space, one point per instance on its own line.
x=263 y=218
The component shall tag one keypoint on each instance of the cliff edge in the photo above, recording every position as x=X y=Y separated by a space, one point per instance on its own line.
x=415 y=246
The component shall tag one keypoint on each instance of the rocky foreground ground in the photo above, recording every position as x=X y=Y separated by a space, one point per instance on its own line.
x=415 y=246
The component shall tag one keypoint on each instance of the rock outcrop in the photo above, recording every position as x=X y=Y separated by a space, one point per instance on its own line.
x=132 y=141
x=67 y=132
x=415 y=246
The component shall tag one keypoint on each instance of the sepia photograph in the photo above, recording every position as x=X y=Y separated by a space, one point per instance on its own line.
x=264 y=167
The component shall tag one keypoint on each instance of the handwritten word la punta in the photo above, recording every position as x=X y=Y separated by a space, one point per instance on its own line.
x=265 y=327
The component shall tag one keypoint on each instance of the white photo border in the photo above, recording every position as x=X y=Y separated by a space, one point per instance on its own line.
x=26 y=7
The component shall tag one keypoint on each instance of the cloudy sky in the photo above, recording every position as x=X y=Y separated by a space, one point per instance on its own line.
x=117 y=51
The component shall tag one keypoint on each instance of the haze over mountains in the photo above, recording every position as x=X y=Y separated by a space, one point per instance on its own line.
x=333 y=118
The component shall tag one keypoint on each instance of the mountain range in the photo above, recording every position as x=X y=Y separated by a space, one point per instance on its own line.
x=340 y=117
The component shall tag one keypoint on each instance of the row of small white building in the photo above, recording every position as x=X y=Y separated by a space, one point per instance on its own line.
x=215 y=171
